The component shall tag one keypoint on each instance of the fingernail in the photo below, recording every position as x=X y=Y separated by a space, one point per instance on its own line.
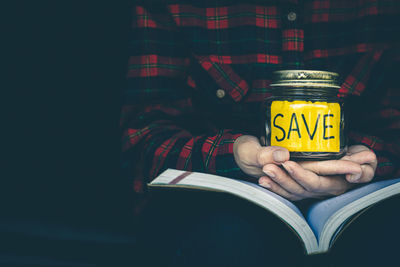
x=355 y=177
x=270 y=173
x=279 y=155
x=266 y=185
x=287 y=168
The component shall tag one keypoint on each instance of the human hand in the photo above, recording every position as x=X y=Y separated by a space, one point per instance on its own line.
x=316 y=179
x=368 y=162
x=251 y=157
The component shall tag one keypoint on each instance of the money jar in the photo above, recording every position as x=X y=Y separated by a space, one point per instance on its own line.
x=306 y=115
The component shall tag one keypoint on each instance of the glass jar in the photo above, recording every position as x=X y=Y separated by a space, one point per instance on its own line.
x=305 y=115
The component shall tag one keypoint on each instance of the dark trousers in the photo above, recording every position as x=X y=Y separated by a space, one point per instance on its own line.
x=186 y=229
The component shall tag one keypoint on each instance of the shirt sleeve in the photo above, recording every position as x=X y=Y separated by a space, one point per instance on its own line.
x=375 y=115
x=158 y=104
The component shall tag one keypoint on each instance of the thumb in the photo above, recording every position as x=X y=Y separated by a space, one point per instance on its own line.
x=272 y=154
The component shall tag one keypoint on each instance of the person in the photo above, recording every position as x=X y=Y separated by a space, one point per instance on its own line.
x=199 y=73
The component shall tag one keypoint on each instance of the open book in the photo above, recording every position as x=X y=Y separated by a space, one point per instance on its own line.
x=317 y=229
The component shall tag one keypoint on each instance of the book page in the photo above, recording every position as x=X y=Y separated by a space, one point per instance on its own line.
x=260 y=196
x=276 y=196
x=201 y=179
x=320 y=213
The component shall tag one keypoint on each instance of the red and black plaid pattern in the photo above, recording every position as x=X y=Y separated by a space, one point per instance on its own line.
x=200 y=71
x=293 y=40
x=224 y=17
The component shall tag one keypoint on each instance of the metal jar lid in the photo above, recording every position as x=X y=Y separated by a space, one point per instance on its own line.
x=305 y=78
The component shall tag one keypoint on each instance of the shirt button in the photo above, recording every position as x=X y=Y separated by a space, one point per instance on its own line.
x=220 y=93
x=292 y=16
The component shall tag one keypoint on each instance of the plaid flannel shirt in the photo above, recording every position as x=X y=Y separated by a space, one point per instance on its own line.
x=199 y=72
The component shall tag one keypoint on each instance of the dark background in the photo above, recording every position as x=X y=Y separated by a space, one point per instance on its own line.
x=65 y=69
x=64 y=66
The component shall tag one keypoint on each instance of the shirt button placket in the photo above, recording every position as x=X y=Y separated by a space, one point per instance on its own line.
x=292 y=36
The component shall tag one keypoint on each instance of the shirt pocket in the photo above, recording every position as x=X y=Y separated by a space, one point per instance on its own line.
x=218 y=92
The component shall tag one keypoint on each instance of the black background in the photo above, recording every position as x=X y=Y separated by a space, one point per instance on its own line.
x=64 y=69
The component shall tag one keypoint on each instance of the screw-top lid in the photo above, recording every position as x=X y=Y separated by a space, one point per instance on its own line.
x=305 y=78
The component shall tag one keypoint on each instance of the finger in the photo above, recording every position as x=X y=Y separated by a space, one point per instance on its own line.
x=366 y=176
x=331 y=167
x=363 y=157
x=284 y=180
x=253 y=171
x=272 y=154
x=268 y=183
x=331 y=185
x=357 y=148
x=262 y=140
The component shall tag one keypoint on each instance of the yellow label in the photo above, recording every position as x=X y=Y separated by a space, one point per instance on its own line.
x=305 y=126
